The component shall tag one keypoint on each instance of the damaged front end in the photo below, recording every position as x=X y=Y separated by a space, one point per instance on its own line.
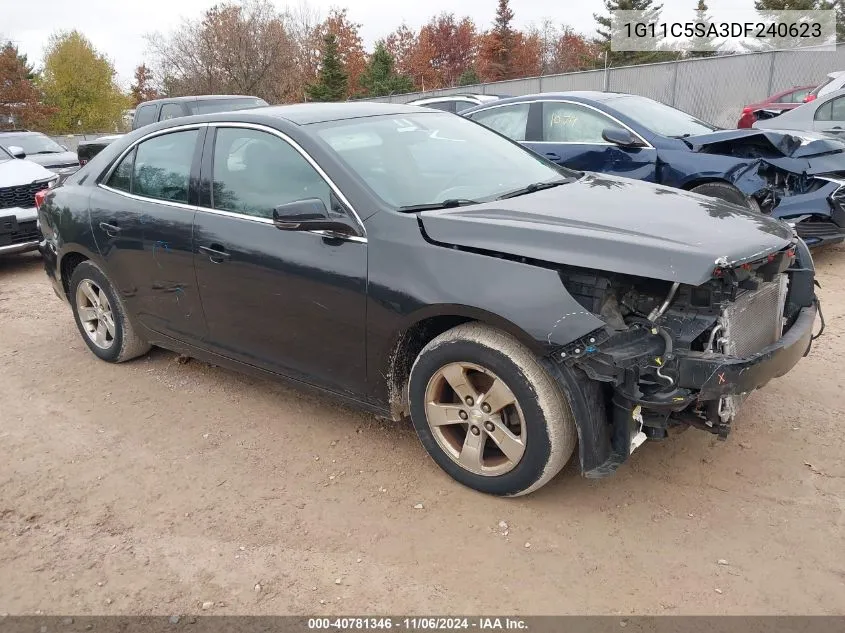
x=673 y=356
x=799 y=179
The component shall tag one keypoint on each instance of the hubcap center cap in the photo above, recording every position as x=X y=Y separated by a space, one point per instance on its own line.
x=476 y=414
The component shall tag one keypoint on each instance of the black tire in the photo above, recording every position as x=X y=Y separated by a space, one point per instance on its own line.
x=547 y=419
x=728 y=193
x=125 y=343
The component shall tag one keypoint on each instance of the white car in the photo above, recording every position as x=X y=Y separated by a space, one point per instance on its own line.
x=454 y=103
x=834 y=81
x=20 y=180
x=825 y=115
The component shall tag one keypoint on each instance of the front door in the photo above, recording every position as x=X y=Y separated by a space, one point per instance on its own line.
x=290 y=302
x=572 y=137
x=142 y=224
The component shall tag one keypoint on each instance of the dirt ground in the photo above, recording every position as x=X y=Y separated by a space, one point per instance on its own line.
x=154 y=486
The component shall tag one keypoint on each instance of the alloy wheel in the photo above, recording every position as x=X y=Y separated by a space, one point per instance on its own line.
x=475 y=418
x=95 y=314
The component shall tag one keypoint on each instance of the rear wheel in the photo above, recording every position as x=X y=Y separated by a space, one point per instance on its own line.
x=488 y=413
x=728 y=193
x=101 y=316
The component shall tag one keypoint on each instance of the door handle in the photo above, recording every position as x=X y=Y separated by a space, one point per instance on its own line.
x=552 y=156
x=110 y=229
x=216 y=253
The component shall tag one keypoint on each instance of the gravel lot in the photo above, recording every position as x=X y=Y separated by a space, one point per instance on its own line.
x=155 y=486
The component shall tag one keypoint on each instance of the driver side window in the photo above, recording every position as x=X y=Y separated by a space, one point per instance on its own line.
x=573 y=123
x=254 y=172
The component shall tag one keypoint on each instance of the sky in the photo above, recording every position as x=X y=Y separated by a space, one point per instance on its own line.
x=117 y=28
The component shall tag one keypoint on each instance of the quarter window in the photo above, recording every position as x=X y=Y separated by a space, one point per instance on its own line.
x=508 y=120
x=121 y=177
x=573 y=123
x=163 y=166
x=254 y=172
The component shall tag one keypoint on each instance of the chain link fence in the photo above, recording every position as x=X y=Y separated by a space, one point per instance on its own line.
x=714 y=89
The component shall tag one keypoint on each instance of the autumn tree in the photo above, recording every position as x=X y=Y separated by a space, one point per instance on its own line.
x=380 y=78
x=496 y=49
x=20 y=99
x=80 y=84
x=454 y=44
x=401 y=45
x=143 y=89
x=648 y=11
x=332 y=81
x=573 y=52
x=234 y=48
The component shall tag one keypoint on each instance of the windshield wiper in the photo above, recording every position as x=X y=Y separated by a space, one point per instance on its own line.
x=534 y=186
x=687 y=135
x=49 y=151
x=445 y=204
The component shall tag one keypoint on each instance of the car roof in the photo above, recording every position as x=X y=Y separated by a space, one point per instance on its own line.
x=575 y=95
x=194 y=98
x=307 y=113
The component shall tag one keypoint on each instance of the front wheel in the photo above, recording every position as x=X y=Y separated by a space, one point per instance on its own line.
x=728 y=193
x=488 y=413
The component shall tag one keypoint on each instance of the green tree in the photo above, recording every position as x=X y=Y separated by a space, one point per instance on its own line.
x=764 y=7
x=332 y=79
x=80 y=84
x=469 y=78
x=702 y=17
x=649 y=12
x=379 y=77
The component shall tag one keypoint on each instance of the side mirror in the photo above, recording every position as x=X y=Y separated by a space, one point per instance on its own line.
x=308 y=215
x=16 y=151
x=620 y=136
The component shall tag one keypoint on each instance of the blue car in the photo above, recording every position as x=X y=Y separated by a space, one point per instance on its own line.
x=797 y=177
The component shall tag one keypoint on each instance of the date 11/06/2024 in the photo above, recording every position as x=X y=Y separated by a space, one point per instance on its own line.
x=417 y=623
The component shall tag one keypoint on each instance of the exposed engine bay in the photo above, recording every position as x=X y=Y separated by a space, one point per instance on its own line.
x=663 y=338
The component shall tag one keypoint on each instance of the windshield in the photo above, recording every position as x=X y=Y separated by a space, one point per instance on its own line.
x=660 y=118
x=32 y=143
x=225 y=105
x=427 y=158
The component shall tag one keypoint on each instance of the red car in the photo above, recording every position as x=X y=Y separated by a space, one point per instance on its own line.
x=773 y=106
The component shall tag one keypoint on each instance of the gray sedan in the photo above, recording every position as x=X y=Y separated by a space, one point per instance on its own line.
x=825 y=114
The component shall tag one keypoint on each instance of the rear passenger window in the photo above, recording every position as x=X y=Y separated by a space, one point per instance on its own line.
x=121 y=178
x=508 y=120
x=163 y=166
x=446 y=106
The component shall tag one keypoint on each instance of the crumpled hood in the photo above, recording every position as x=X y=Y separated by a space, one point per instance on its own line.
x=616 y=225
x=22 y=172
x=791 y=144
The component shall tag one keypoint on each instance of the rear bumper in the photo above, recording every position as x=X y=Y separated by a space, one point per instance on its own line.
x=714 y=376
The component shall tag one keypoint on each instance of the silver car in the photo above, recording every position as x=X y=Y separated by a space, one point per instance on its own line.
x=826 y=115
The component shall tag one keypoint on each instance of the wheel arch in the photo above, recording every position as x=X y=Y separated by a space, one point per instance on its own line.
x=419 y=329
x=68 y=262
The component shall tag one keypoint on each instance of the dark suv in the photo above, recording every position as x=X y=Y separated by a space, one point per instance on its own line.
x=171 y=108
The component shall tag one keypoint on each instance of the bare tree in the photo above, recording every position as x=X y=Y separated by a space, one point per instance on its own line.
x=236 y=48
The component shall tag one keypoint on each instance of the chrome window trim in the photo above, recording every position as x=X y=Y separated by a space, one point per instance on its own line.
x=305 y=155
x=646 y=145
x=263 y=128
x=228 y=214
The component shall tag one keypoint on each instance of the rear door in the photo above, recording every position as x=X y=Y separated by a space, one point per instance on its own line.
x=289 y=302
x=571 y=135
x=142 y=218
x=830 y=117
